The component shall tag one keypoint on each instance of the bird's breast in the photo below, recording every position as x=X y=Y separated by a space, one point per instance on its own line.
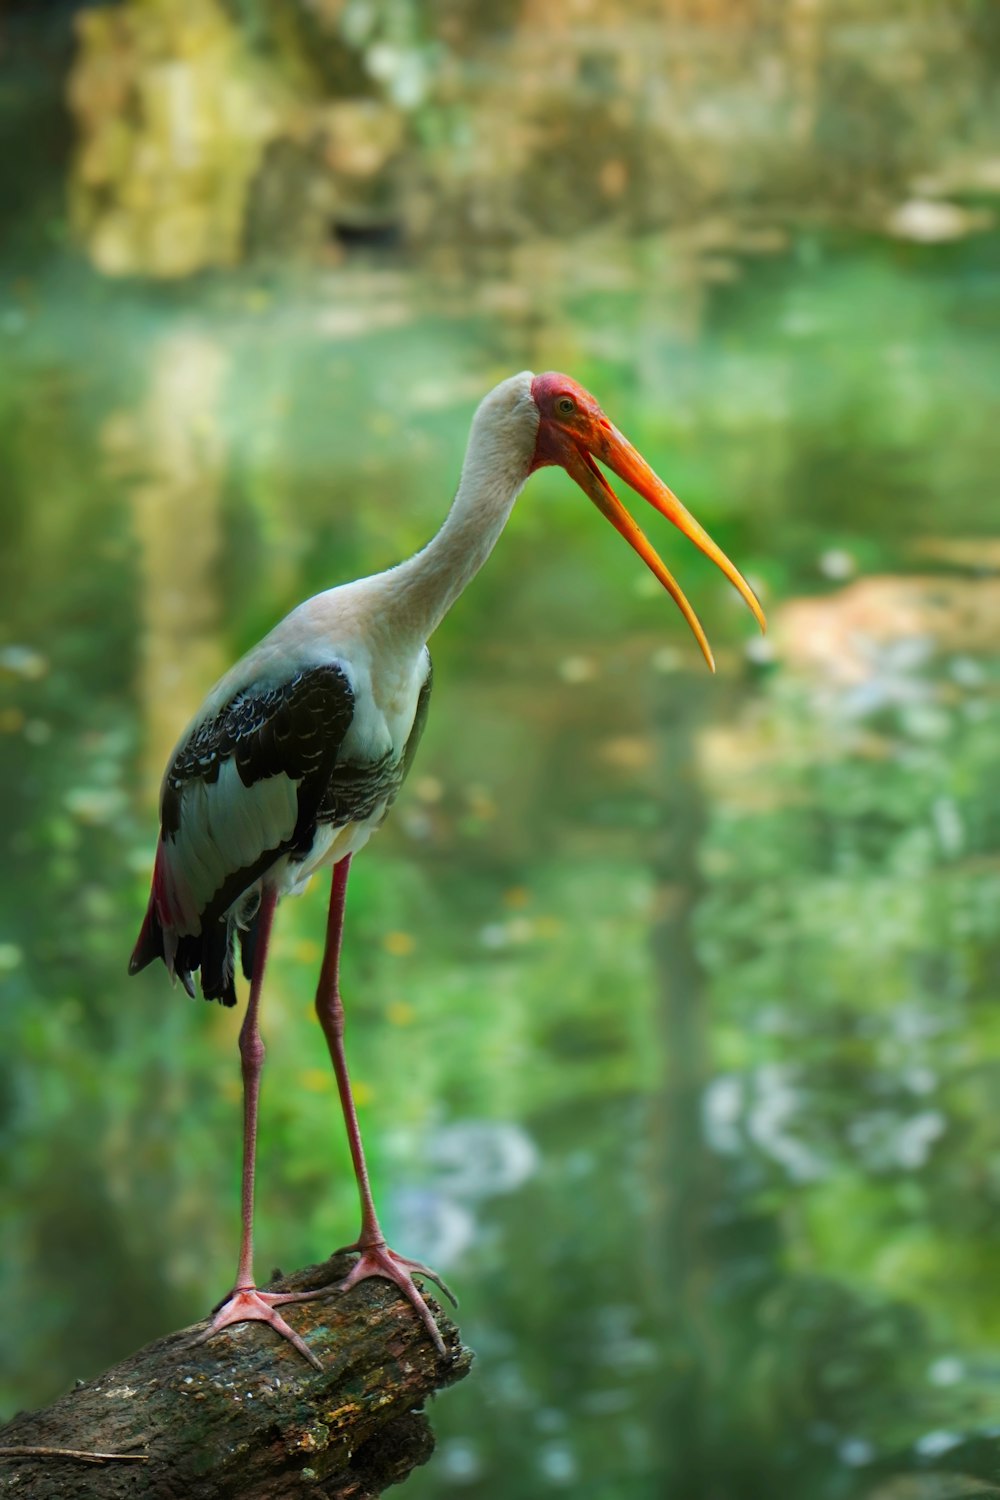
x=386 y=694
x=371 y=764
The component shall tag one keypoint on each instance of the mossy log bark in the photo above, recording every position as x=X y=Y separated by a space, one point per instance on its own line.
x=244 y=1415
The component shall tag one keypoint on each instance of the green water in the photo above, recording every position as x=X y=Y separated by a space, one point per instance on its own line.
x=671 y=1000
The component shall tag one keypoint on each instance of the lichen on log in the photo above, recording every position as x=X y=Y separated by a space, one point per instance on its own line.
x=243 y=1415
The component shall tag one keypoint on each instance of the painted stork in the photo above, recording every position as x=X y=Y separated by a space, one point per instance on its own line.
x=296 y=755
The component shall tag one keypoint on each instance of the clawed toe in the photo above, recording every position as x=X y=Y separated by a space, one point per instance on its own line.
x=248 y=1305
x=379 y=1260
x=415 y=1268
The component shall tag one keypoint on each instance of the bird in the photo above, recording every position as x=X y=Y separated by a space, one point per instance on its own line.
x=296 y=755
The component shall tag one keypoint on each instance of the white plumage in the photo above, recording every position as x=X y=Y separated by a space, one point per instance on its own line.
x=296 y=755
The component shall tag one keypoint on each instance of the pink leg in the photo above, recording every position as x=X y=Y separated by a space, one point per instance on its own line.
x=375 y=1258
x=245 y=1303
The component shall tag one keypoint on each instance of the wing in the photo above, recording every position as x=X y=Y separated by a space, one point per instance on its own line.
x=242 y=790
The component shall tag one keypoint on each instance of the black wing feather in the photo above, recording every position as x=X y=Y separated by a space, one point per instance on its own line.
x=295 y=729
x=351 y=793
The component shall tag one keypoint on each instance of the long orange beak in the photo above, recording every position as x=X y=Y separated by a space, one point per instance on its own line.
x=617 y=452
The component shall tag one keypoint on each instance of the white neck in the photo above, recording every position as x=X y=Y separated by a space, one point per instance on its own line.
x=419 y=592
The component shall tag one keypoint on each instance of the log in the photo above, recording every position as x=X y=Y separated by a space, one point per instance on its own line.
x=244 y=1415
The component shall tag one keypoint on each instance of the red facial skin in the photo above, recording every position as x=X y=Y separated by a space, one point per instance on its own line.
x=555 y=427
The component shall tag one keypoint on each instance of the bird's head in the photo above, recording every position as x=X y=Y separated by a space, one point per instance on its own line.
x=573 y=432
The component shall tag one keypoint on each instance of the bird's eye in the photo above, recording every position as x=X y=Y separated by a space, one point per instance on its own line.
x=565 y=406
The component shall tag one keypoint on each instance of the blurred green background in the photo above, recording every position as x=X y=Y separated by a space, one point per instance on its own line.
x=671 y=999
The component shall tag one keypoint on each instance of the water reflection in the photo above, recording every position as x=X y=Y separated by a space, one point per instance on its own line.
x=670 y=1000
x=462 y=1165
x=171 y=456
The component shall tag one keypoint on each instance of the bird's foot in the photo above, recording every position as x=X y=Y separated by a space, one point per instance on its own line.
x=376 y=1259
x=245 y=1304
